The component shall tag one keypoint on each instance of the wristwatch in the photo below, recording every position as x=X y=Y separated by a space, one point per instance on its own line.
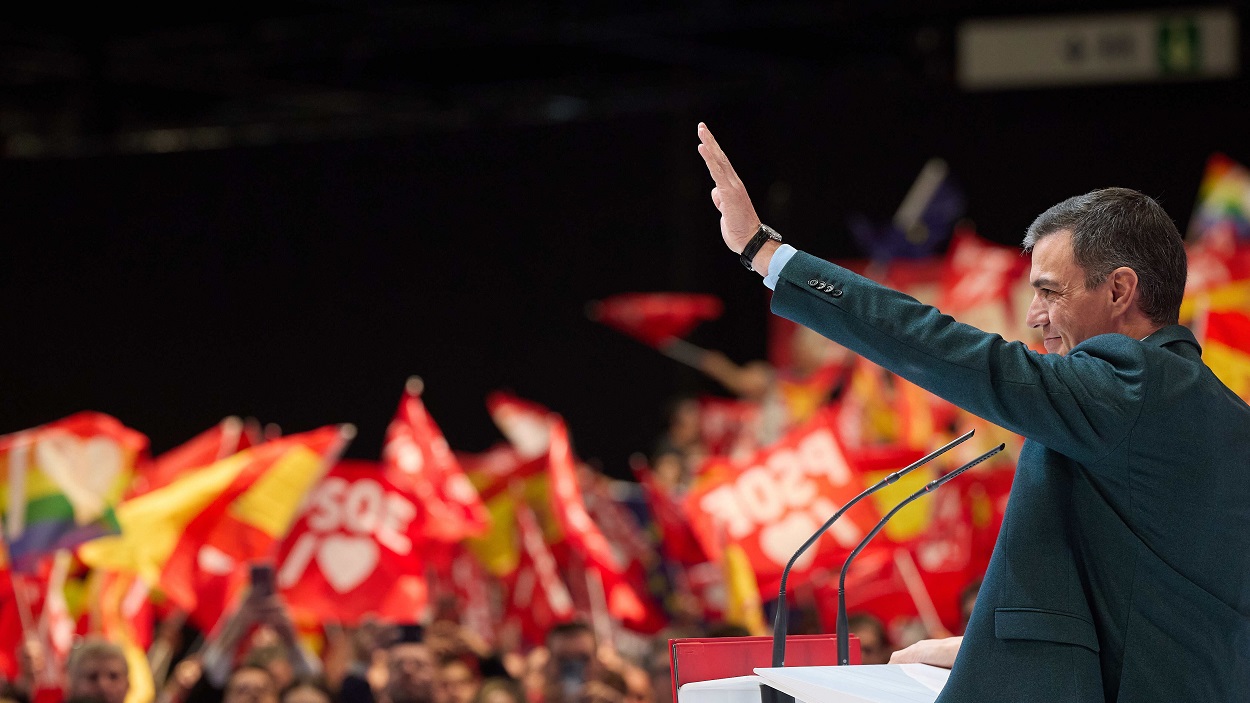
x=763 y=234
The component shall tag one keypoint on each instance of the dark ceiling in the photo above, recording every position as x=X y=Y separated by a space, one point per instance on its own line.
x=79 y=83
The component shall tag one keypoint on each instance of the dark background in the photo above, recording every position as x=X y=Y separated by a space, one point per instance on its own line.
x=285 y=212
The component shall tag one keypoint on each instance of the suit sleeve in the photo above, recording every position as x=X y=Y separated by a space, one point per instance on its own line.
x=1083 y=404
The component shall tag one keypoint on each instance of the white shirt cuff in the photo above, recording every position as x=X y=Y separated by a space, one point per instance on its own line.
x=781 y=257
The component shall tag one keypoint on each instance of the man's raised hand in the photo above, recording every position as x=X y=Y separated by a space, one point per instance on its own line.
x=738 y=221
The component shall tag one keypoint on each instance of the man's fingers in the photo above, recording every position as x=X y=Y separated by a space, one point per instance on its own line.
x=716 y=197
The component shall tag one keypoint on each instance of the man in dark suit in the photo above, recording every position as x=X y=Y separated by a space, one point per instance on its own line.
x=1122 y=569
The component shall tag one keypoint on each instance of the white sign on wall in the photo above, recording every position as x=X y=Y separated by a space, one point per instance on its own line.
x=1119 y=48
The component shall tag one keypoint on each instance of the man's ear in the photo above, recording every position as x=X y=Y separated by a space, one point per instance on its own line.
x=1123 y=290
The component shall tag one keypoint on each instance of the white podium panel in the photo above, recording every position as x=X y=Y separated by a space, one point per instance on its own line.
x=736 y=689
x=870 y=683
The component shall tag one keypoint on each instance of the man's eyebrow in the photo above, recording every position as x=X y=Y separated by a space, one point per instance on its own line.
x=1043 y=282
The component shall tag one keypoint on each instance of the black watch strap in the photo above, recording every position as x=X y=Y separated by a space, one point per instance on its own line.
x=763 y=234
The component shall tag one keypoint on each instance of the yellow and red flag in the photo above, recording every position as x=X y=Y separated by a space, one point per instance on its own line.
x=227 y=437
x=208 y=524
x=1226 y=349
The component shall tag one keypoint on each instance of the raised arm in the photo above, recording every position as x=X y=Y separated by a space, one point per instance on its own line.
x=738 y=221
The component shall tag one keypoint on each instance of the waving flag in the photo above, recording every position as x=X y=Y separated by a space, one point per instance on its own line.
x=772 y=502
x=1226 y=349
x=676 y=540
x=525 y=424
x=986 y=285
x=61 y=482
x=1223 y=208
x=623 y=592
x=416 y=455
x=209 y=523
x=507 y=482
x=355 y=549
x=655 y=319
x=537 y=597
x=227 y=437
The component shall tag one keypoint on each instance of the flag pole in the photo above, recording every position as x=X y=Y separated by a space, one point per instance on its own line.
x=15 y=524
x=597 y=594
x=919 y=594
x=680 y=350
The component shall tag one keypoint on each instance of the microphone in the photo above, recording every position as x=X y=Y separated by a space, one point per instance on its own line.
x=844 y=640
x=780 y=620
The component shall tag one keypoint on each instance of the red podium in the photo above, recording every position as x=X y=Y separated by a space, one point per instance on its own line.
x=708 y=658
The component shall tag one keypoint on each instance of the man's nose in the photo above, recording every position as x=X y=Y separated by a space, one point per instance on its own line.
x=1036 y=315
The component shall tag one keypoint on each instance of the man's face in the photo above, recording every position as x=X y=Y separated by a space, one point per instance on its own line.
x=101 y=678
x=572 y=662
x=1066 y=312
x=410 y=668
x=250 y=685
x=457 y=682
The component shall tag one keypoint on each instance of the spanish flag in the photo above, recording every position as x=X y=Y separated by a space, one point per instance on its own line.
x=1226 y=349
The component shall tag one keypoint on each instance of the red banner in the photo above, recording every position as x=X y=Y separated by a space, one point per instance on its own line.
x=355 y=550
x=772 y=503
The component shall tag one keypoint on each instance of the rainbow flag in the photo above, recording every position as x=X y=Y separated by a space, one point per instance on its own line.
x=1223 y=207
x=59 y=483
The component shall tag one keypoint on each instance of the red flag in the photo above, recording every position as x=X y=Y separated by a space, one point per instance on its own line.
x=417 y=456
x=208 y=564
x=772 y=503
x=729 y=426
x=227 y=437
x=655 y=318
x=537 y=597
x=11 y=630
x=526 y=424
x=985 y=285
x=1226 y=349
x=355 y=549
x=676 y=539
x=624 y=599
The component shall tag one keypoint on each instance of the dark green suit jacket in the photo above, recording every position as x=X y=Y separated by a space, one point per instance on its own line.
x=1122 y=570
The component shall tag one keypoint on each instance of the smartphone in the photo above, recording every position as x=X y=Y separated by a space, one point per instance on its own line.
x=262 y=579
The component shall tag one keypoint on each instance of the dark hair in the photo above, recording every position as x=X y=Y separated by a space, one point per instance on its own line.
x=571 y=627
x=1116 y=227
x=92 y=648
x=315 y=682
x=857 y=621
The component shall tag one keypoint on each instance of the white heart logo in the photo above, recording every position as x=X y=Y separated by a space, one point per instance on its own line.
x=346 y=561
x=779 y=540
x=84 y=470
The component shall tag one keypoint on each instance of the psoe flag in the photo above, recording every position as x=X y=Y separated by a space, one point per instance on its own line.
x=61 y=482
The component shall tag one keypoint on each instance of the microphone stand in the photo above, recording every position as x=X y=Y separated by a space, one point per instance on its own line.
x=780 y=620
x=844 y=641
